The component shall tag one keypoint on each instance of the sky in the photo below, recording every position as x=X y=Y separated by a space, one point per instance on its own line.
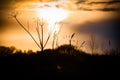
x=82 y=17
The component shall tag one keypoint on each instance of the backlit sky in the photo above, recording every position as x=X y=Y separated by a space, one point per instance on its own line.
x=100 y=17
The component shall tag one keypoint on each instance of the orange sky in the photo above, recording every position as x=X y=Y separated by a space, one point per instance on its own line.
x=11 y=34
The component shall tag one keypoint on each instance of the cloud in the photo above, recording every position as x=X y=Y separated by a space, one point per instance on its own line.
x=110 y=2
x=87 y=5
x=102 y=9
x=98 y=1
x=105 y=29
x=99 y=5
x=108 y=9
x=8 y=4
x=4 y=4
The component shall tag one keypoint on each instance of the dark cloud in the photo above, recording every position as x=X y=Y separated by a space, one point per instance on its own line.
x=86 y=9
x=2 y=21
x=80 y=1
x=5 y=4
x=108 y=9
x=8 y=4
x=103 y=9
x=100 y=5
x=108 y=29
x=110 y=2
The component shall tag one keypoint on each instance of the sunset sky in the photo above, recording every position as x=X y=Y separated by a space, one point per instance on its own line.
x=81 y=17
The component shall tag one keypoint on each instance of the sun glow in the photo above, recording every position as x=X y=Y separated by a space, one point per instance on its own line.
x=52 y=16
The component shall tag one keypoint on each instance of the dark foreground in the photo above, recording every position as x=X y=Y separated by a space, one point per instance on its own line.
x=52 y=64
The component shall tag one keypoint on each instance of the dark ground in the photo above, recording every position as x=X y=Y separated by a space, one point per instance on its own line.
x=55 y=64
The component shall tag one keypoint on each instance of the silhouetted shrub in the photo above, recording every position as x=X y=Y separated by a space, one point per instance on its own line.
x=6 y=51
x=69 y=50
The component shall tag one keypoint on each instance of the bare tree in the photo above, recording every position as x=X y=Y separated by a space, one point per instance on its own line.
x=40 y=32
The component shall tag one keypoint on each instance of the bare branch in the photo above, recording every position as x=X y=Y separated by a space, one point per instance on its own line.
x=26 y=30
x=38 y=32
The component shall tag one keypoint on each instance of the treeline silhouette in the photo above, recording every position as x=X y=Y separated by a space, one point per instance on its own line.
x=65 y=60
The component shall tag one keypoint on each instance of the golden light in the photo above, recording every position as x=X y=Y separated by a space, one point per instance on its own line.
x=53 y=27
x=52 y=15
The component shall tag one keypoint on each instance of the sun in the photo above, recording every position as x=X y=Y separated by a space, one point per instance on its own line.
x=52 y=15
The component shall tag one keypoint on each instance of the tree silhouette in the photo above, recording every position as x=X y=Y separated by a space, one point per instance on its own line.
x=40 y=32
